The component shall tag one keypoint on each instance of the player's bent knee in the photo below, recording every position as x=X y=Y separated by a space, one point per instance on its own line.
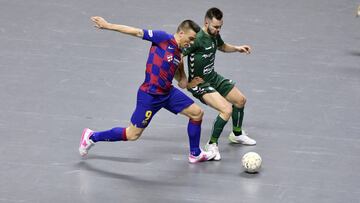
x=133 y=134
x=200 y=114
x=243 y=101
x=197 y=113
x=240 y=102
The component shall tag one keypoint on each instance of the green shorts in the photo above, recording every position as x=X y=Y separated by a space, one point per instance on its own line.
x=216 y=84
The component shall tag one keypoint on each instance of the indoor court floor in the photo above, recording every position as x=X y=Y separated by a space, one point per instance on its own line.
x=59 y=74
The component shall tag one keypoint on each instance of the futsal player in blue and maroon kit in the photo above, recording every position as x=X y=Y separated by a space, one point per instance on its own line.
x=157 y=91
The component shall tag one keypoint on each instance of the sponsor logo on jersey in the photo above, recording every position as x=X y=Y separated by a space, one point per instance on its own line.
x=208 y=69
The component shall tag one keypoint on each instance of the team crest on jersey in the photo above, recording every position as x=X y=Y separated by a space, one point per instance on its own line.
x=169 y=58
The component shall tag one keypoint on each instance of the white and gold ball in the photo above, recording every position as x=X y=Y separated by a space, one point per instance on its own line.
x=251 y=161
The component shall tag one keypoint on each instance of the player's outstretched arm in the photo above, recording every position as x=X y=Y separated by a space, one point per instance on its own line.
x=232 y=48
x=101 y=23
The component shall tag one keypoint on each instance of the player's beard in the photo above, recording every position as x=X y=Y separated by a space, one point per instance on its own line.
x=211 y=33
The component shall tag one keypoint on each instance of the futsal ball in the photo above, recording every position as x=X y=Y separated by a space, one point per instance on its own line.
x=251 y=161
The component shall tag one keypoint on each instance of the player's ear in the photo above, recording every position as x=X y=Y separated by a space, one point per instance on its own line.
x=206 y=22
x=181 y=33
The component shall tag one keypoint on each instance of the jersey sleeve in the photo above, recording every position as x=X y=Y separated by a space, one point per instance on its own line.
x=220 y=41
x=156 y=36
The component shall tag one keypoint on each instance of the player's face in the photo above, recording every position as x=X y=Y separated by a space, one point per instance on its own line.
x=188 y=38
x=213 y=26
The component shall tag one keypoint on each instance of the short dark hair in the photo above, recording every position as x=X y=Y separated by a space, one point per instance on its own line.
x=188 y=25
x=214 y=13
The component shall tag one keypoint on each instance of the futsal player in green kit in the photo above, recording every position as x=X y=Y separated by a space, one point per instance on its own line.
x=210 y=87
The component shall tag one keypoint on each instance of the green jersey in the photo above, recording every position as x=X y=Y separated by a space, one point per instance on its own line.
x=201 y=55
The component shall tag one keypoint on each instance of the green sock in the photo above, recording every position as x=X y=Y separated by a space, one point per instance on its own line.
x=218 y=127
x=237 y=119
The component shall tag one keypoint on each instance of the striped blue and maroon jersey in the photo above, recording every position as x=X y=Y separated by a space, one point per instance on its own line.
x=164 y=58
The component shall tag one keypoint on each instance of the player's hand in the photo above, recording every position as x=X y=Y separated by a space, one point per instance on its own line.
x=195 y=82
x=99 y=22
x=244 y=49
